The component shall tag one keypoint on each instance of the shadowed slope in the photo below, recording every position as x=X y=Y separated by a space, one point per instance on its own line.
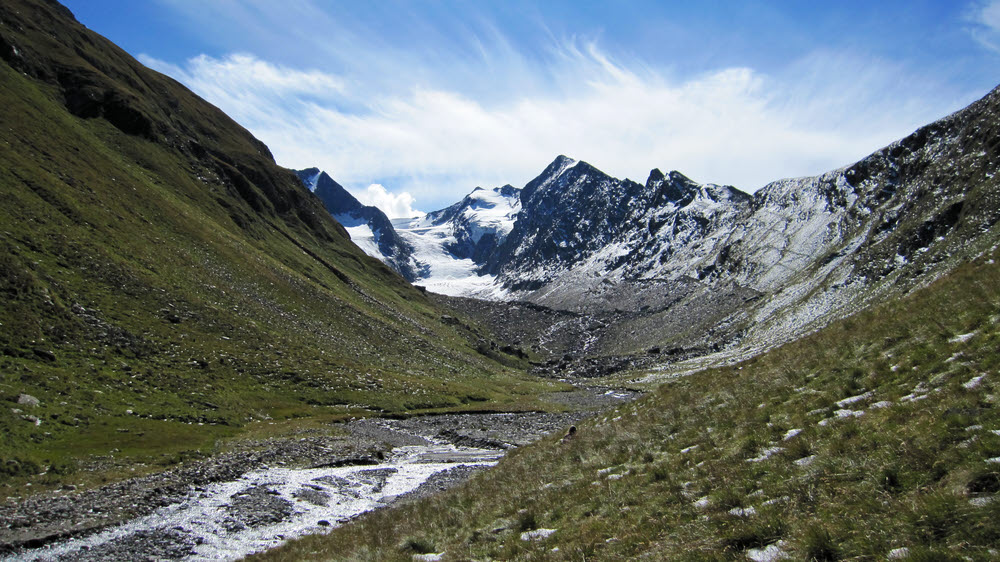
x=158 y=270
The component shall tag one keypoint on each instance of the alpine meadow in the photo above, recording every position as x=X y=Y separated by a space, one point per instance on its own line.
x=208 y=354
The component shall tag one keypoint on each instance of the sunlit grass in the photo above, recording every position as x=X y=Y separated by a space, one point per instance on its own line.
x=877 y=433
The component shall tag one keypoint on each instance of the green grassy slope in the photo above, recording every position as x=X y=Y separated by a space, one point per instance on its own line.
x=878 y=433
x=164 y=283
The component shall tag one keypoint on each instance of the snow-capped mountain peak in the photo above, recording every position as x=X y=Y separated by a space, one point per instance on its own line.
x=454 y=242
x=719 y=265
x=808 y=248
x=552 y=174
x=491 y=211
x=442 y=250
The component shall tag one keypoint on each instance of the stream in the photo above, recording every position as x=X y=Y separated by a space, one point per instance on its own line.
x=265 y=507
x=226 y=508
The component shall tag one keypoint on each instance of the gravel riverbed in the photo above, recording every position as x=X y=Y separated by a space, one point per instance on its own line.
x=232 y=504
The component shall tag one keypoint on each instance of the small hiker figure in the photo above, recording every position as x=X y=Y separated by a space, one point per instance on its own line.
x=569 y=434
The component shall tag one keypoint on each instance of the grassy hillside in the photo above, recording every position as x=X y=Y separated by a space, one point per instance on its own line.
x=166 y=285
x=876 y=434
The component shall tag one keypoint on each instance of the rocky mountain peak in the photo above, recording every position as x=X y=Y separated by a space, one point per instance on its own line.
x=675 y=188
x=337 y=199
x=655 y=175
x=810 y=244
x=310 y=177
x=509 y=191
x=368 y=226
x=552 y=173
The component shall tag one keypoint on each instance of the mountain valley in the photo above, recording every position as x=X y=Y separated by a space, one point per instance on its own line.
x=184 y=322
x=699 y=268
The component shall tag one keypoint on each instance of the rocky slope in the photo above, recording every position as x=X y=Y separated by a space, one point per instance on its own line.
x=367 y=226
x=771 y=265
x=574 y=216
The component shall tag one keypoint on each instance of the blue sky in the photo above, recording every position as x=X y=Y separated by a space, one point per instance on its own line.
x=411 y=104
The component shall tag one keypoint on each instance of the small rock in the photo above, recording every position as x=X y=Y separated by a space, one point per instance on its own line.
x=537 y=534
x=790 y=434
x=805 y=461
x=315 y=497
x=28 y=400
x=323 y=523
x=769 y=553
x=974 y=382
x=898 y=553
x=570 y=434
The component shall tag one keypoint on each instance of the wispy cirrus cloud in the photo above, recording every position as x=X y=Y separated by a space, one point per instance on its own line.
x=985 y=20
x=430 y=141
x=989 y=15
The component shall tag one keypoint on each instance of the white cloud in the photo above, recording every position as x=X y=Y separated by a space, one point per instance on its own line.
x=394 y=205
x=251 y=90
x=989 y=15
x=732 y=125
x=985 y=18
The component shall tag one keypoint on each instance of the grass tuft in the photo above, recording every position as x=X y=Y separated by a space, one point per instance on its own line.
x=416 y=545
x=817 y=544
